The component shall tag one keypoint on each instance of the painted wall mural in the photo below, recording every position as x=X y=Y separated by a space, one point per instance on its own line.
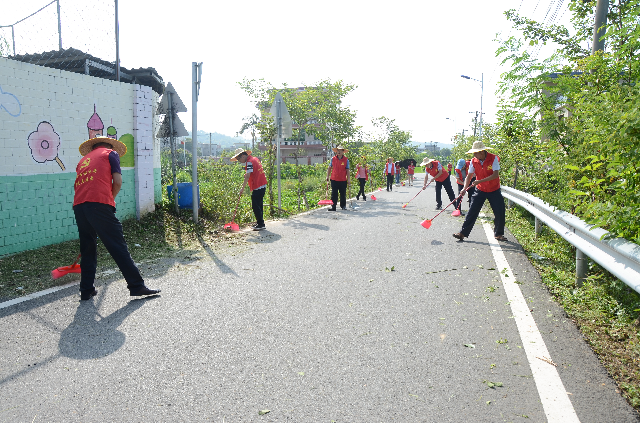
x=10 y=103
x=95 y=126
x=44 y=143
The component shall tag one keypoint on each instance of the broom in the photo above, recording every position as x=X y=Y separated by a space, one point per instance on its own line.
x=61 y=271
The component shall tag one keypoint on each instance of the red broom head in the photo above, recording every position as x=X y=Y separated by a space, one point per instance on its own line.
x=426 y=223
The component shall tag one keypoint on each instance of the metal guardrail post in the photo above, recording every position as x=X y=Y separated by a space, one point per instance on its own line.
x=538 y=227
x=617 y=255
x=582 y=267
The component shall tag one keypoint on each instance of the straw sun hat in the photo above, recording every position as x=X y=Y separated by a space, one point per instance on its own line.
x=335 y=149
x=477 y=147
x=426 y=161
x=237 y=152
x=118 y=146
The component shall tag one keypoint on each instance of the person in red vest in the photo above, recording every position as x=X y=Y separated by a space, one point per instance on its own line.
x=390 y=171
x=362 y=173
x=410 y=172
x=434 y=168
x=98 y=182
x=338 y=174
x=257 y=180
x=486 y=169
x=462 y=170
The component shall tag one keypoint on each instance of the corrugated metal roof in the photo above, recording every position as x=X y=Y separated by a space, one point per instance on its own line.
x=74 y=60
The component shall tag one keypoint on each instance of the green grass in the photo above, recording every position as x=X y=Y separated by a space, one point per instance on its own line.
x=604 y=308
x=157 y=235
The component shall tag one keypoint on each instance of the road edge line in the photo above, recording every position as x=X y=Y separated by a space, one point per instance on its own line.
x=553 y=395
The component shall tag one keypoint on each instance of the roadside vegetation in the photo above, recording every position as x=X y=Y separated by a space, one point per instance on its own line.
x=605 y=309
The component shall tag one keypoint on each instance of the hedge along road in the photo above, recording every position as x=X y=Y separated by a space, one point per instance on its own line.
x=352 y=316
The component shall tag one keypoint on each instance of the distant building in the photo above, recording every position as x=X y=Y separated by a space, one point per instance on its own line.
x=207 y=149
x=431 y=148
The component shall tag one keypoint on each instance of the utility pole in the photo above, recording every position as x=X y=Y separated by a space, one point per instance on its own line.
x=475 y=123
x=196 y=77
x=599 y=26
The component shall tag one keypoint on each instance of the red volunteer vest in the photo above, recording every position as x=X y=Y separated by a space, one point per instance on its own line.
x=366 y=172
x=485 y=170
x=410 y=169
x=390 y=170
x=93 y=179
x=462 y=173
x=257 y=178
x=433 y=171
x=339 y=168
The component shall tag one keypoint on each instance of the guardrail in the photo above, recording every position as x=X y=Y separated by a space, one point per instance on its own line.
x=617 y=255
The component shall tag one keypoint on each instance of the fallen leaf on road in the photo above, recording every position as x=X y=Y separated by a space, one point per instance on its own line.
x=469 y=345
x=263 y=412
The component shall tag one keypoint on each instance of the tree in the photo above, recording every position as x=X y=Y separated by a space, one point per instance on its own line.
x=586 y=106
x=317 y=110
x=4 y=47
x=250 y=123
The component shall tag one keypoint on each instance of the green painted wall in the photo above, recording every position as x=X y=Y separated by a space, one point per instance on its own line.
x=36 y=210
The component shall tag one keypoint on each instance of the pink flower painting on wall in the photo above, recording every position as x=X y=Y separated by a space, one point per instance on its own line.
x=44 y=143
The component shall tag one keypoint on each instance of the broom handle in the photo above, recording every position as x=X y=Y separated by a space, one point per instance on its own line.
x=448 y=205
x=77 y=258
x=419 y=192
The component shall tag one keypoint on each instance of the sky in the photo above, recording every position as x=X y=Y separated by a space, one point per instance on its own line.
x=405 y=57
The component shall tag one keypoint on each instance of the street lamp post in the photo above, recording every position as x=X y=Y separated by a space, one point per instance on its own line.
x=481 y=81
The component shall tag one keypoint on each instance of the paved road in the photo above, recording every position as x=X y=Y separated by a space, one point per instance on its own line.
x=353 y=316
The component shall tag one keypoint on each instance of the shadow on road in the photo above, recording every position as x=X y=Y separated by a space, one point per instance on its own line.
x=263 y=237
x=92 y=336
x=298 y=224
x=221 y=264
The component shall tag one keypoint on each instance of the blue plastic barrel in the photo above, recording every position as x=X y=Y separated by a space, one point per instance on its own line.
x=185 y=194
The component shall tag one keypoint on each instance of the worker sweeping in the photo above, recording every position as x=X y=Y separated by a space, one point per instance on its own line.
x=434 y=168
x=485 y=167
x=257 y=180
x=98 y=182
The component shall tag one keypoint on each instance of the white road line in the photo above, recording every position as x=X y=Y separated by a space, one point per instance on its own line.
x=553 y=395
x=37 y=294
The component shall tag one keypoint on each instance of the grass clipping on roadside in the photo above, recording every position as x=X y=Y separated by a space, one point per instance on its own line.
x=157 y=235
x=604 y=308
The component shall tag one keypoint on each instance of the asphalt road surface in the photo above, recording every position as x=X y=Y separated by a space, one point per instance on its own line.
x=353 y=316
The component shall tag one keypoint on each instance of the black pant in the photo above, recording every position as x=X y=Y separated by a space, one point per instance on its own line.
x=339 y=187
x=389 y=182
x=257 y=204
x=470 y=192
x=447 y=187
x=362 y=182
x=477 y=201
x=100 y=219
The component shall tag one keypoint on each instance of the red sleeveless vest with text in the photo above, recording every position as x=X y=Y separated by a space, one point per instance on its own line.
x=484 y=171
x=434 y=171
x=339 y=168
x=257 y=178
x=93 y=179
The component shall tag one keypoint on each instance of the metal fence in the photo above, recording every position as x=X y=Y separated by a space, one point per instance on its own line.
x=619 y=256
x=85 y=25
